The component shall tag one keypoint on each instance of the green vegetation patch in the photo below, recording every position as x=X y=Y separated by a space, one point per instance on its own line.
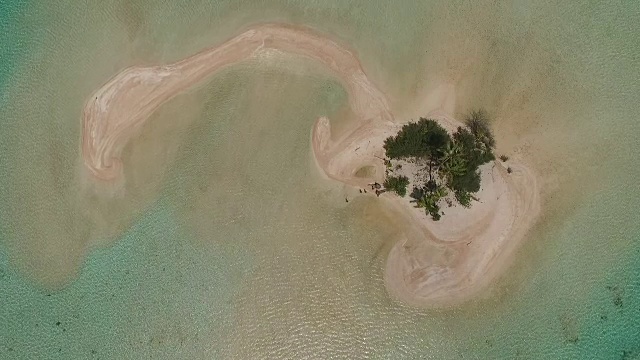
x=451 y=161
x=397 y=184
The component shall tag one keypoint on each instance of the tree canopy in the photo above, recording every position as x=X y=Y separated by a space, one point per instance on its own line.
x=426 y=138
x=451 y=161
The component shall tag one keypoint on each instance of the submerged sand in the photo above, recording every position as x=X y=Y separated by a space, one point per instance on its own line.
x=435 y=263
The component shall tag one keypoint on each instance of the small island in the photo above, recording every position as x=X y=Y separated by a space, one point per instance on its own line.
x=432 y=263
x=441 y=166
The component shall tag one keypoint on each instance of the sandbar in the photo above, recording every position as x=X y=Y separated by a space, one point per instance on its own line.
x=434 y=263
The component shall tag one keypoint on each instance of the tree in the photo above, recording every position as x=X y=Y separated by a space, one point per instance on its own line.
x=424 y=139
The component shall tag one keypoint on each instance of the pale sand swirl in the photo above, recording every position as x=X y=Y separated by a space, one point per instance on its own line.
x=436 y=263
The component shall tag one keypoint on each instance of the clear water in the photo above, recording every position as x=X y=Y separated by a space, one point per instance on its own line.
x=227 y=243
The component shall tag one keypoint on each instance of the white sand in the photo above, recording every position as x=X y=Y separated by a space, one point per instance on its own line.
x=435 y=263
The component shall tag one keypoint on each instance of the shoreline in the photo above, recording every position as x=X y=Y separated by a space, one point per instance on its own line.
x=433 y=265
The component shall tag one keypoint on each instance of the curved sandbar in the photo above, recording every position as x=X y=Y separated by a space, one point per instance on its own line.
x=435 y=263
x=122 y=105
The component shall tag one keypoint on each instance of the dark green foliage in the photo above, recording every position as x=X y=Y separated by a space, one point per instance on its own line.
x=417 y=193
x=452 y=162
x=504 y=158
x=474 y=153
x=426 y=138
x=469 y=181
x=398 y=184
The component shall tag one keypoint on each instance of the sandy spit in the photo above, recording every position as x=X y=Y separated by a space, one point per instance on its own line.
x=435 y=263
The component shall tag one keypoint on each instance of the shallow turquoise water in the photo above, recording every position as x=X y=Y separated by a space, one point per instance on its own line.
x=261 y=288
x=121 y=306
x=11 y=41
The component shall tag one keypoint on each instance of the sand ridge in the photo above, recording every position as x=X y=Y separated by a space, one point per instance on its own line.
x=435 y=263
x=117 y=110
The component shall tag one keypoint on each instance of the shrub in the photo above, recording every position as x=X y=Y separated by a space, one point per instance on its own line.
x=398 y=184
